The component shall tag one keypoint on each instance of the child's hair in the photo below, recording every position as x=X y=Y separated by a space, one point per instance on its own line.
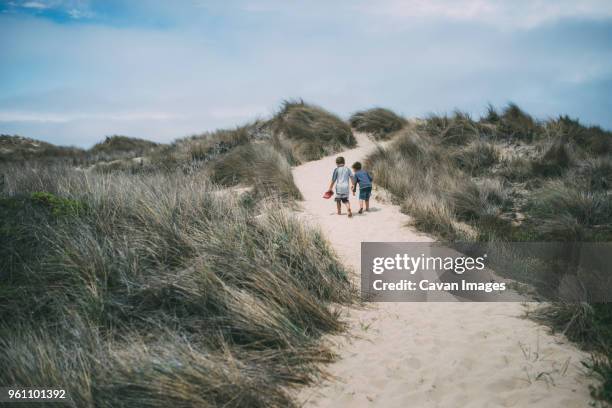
x=339 y=160
x=356 y=166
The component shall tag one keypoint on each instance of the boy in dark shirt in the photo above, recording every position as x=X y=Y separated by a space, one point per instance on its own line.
x=364 y=179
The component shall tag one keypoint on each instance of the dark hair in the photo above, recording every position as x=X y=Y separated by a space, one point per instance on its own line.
x=339 y=160
x=357 y=166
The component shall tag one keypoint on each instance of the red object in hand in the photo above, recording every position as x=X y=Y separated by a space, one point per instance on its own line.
x=328 y=194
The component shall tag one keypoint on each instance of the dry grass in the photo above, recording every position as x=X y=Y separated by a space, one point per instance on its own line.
x=509 y=177
x=160 y=290
x=312 y=131
x=476 y=157
x=15 y=149
x=457 y=130
x=412 y=169
x=259 y=166
x=456 y=167
x=567 y=211
x=118 y=147
x=378 y=122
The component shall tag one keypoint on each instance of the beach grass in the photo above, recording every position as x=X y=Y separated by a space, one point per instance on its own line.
x=378 y=122
x=312 y=131
x=509 y=177
x=159 y=282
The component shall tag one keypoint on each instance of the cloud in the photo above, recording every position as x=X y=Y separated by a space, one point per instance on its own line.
x=523 y=14
x=35 y=5
x=75 y=9
x=78 y=14
x=222 y=65
x=18 y=116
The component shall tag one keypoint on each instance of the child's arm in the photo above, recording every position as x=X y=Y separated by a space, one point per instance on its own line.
x=333 y=180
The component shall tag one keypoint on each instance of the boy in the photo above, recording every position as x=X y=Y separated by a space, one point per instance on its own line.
x=342 y=177
x=364 y=179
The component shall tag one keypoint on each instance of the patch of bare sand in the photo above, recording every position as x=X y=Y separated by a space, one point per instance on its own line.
x=431 y=354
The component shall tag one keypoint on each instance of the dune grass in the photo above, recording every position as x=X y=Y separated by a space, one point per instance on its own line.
x=422 y=180
x=256 y=156
x=510 y=177
x=15 y=149
x=299 y=132
x=138 y=278
x=258 y=165
x=459 y=160
x=312 y=131
x=117 y=147
x=476 y=157
x=379 y=122
x=160 y=290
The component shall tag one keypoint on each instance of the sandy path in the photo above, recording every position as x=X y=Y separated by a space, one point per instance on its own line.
x=431 y=354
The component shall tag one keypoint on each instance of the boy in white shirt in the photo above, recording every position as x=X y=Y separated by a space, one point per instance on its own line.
x=342 y=177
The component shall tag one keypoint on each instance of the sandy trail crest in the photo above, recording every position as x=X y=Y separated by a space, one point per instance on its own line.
x=431 y=354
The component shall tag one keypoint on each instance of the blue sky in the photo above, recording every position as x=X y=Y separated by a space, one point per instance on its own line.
x=73 y=71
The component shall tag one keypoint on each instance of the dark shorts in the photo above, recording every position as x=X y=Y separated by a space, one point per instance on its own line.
x=342 y=198
x=365 y=193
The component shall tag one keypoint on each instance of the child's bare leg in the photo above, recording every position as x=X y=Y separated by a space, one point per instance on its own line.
x=348 y=208
x=339 y=207
x=360 y=206
x=367 y=202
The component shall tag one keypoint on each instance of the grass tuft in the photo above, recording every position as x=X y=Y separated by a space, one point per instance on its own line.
x=379 y=122
x=259 y=166
x=313 y=131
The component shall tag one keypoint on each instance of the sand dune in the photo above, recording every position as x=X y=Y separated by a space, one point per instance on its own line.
x=431 y=354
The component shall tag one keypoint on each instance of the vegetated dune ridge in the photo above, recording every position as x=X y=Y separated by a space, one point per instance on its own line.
x=142 y=275
x=431 y=354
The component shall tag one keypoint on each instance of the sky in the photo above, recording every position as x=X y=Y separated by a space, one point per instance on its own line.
x=75 y=71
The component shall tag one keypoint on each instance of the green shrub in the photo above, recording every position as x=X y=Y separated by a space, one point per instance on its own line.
x=58 y=205
x=379 y=122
